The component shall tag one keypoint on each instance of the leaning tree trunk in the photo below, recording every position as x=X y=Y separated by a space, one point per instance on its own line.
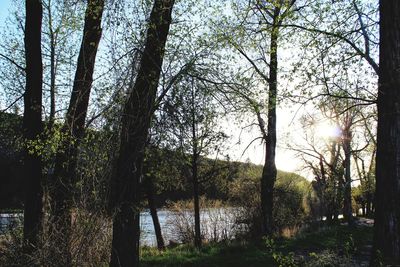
x=136 y=118
x=74 y=126
x=269 y=170
x=32 y=123
x=387 y=196
x=149 y=186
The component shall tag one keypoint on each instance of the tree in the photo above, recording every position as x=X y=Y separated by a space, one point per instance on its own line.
x=74 y=126
x=60 y=26
x=149 y=187
x=350 y=24
x=366 y=174
x=387 y=197
x=323 y=156
x=135 y=124
x=60 y=39
x=193 y=112
x=153 y=160
x=337 y=86
x=32 y=123
x=268 y=16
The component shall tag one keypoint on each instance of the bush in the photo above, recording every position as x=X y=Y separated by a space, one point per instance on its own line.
x=326 y=258
x=217 y=221
x=90 y=244
x=290 y=202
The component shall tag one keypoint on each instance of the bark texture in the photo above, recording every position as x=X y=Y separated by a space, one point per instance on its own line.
x=387 y=199
x=269 y=173
x=149 y=185
x=74 y=127
x=32 y=122
x=136 y=120
x=195 y=179
x=346 y=142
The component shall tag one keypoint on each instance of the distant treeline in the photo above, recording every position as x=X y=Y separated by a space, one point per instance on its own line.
x=220 y=178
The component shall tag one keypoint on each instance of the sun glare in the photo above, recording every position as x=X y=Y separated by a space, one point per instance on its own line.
x=327 y=130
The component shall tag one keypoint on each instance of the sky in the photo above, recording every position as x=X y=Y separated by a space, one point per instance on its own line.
x=288 y=130
x=4 y=9
x=285 y=159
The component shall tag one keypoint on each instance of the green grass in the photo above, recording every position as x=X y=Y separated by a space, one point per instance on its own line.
x=332 y=238
x=244 y=254
x=210 y=255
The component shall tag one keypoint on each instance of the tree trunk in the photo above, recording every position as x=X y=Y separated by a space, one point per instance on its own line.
x=136 y=119
x=32 y=123
x=387 y=198
x=52 y=68
x=197 y=228
x=74 y=126
x=347 y=207
x=269 y=170
x=195 y=176
x=368 y=208
x=153 y=212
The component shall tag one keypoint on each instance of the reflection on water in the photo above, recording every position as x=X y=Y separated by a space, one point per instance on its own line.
x=215 y=222
x=10 y=221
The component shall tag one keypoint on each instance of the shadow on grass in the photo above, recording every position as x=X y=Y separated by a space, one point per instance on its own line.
x=231 y=255
x=314 y=240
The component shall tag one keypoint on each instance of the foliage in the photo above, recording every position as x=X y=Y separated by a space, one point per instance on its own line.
x=280 y=259
x=326 y=258
x=90 y=244
x=290 y=199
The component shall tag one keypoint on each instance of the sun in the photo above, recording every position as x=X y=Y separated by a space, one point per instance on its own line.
x=327 y=129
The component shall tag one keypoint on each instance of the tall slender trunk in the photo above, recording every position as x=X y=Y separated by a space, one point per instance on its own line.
x=52 y=68
x=149 y=186
x=269 y=170
x=195 y=180
x=136 y=118
x=197 y=227
x=32 y=123
x=195 y=175
x=74 y=126
x=387 y=196
x=347 y=207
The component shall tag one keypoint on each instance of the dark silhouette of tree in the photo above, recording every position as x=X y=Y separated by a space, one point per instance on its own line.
x=149 y=188
x=32 y=123
x=74 y=126
x=192 y=121
x=136 y=118
x=387 y=197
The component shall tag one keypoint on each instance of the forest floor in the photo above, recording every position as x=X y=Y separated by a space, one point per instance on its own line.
x=335 y=245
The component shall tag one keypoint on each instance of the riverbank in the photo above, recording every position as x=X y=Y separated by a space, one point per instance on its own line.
x=318 y=246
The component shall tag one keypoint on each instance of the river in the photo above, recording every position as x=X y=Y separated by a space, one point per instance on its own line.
x=216 y=224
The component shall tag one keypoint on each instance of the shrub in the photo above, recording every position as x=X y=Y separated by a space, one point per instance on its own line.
x=217 y=221
x=290 y=203
x=89 y=244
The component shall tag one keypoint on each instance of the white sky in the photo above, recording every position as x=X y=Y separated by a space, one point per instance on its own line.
x=288 y=131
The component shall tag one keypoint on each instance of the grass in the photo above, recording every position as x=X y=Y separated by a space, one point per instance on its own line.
x=334 y=238
x=232 y=255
